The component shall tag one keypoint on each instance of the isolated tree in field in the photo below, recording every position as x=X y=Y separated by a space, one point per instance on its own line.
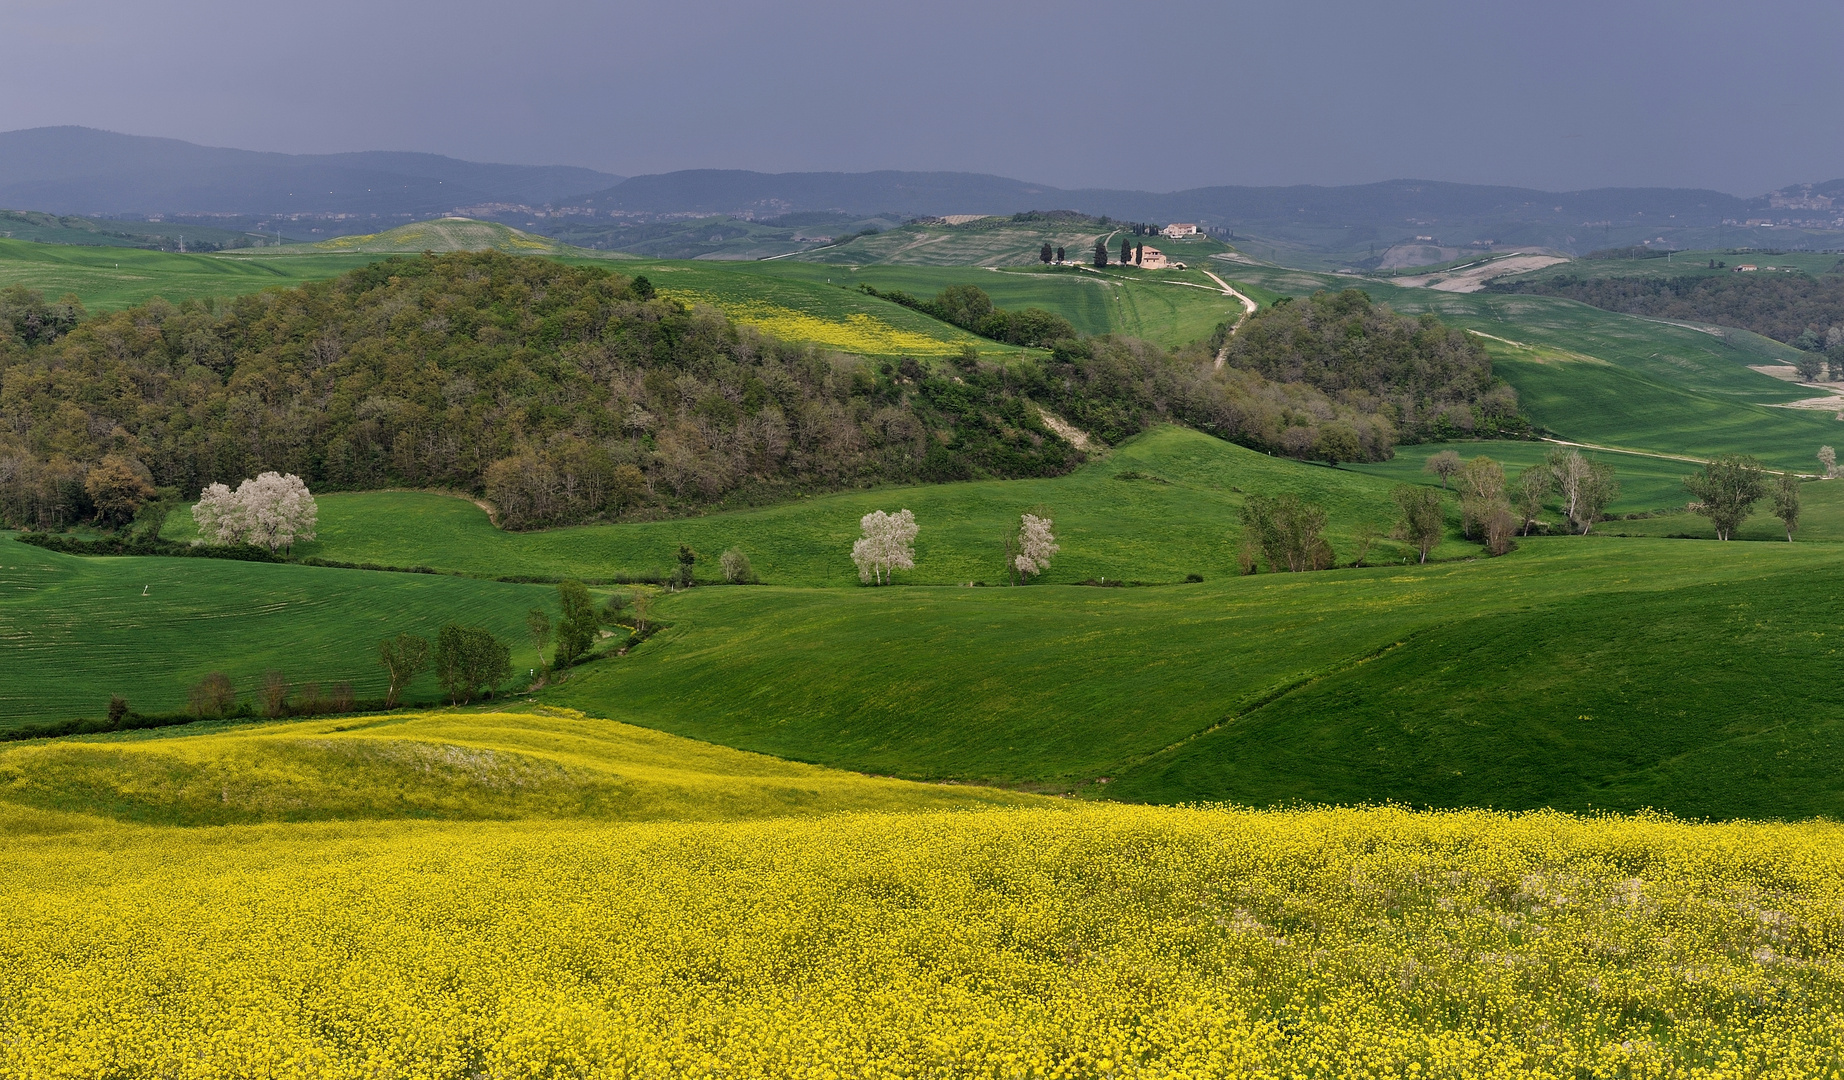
x=885 y=545
x=403 y=658
x=1445 y=465
x=1036 y=543
x=1363 y=540
x=1829 y=459
x=469 y=659
x=1424 y=518
x=1044 y=254
x=117 y=487
x=1101 y=252
x=1532 y=490
x=577 y=629
x=737 y=570
x=1786 y=502
x=538 y=622
x=643 y=612
x=1726 y=490
x=212 y=696
x=1285 y=530
x=687 y=559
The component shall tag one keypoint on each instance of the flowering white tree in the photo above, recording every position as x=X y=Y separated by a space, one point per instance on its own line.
x=219 y=515
x=1036 y=544
x=274 y=510
x=885 y=545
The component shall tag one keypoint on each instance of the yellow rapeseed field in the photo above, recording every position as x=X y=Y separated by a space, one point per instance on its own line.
x=854 y=332
x=1088 y=940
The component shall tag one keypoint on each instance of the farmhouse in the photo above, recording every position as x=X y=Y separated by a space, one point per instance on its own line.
x=1179 y=229
x=1150 y=259
x=1745 y=268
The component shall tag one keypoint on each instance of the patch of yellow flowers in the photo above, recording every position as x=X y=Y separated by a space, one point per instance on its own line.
x=1093 y=941
x=856 y=332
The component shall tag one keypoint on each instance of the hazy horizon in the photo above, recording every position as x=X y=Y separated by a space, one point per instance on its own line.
x=1563 y=98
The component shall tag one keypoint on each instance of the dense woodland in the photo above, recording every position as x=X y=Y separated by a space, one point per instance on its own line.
x=1785 y=307
x=1423 y=379
x=570 y=394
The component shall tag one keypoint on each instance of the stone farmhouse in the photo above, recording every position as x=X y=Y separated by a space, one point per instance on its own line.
x=1179 y=229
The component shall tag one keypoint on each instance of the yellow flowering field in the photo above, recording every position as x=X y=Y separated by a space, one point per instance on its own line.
x=852 y=332
x=1079 y=941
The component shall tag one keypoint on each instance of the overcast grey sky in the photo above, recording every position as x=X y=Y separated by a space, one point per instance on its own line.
x=1563 y=94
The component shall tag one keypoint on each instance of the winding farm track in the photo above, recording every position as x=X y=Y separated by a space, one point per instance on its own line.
x=1248 y=308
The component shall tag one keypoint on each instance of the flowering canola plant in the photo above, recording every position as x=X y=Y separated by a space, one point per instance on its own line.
x=1088 y=941
x=856 y=332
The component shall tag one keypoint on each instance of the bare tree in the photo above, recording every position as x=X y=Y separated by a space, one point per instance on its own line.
x=1586 y=487
x=274 y=693
x=1445 y=465
x=213 y=696
x=538 y=623
x=1786 y=502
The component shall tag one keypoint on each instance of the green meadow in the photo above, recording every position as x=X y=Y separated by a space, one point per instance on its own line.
x=1159 y=508
x=1618 y=380
x=75 y=630
x=109 y=278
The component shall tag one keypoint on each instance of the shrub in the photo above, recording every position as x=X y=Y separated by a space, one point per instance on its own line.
x=212 y=696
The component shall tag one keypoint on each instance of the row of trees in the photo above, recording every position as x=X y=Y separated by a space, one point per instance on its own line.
x=215 y=696
x=467 y=660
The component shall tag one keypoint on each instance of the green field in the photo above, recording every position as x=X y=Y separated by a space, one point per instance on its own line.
x=109 y=278
x=76 y=630
x=1179 y=517
x=1689 y=264
x=1605 y=669
x=1617 y=380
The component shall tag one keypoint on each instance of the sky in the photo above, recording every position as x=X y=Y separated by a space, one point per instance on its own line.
x=1559 y=95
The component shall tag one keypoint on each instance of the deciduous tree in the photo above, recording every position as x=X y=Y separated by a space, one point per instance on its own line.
x=117 y=487
x=1445 y=465
x=1286 y=531
x=1829 y=459
x=403 y=658
x=1786 y=502
x=1036 y=543
x=212 y=696
x=1532 y=490
x=538 y=622
x=885 y=545
x=737 y=570
x=469 y=659
x=577 y=629
x=1423 y=517
x=1726 y=490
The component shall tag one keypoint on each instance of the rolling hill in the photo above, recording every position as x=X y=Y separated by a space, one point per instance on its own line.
x=445 y=234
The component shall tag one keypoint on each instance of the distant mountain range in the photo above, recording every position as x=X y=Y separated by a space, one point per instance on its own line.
x=75 y=170
x=72 y=170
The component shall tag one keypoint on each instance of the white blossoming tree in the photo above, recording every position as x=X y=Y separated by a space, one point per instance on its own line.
x=273 y=510
x=885 y=545
x=1036 y=543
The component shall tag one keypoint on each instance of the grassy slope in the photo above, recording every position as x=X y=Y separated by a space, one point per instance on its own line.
x=109 y=278
x=448 y=234
x=1617 y=380
x=1112 y=528
x=1008 y=244
x=75 y=630
x=1675 y=650
x=447 y=765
